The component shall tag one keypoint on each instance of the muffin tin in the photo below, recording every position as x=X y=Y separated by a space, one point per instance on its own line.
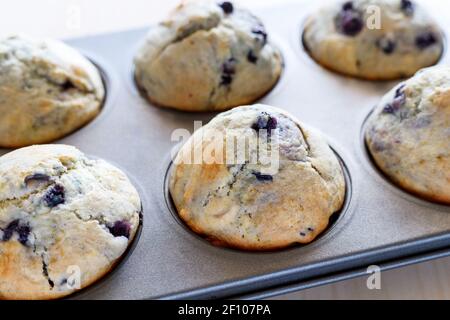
x=380 y=224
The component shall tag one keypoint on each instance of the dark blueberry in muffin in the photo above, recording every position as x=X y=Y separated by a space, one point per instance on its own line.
x=227 y=7
x=251 y=57
x=262 y=177
x=24 y=232
x=425 y=40
x=347 y=6
x=407 y=7
x=400 y=91
x=120 y=229
x=399 y=98
x=261 y=33
x=10 y=229
x=228 y=70
x=39 y=177
x=349 y=22
x=55 y=196
x=387 y=45
x=398 y=102
x=265 y=122
x=389 y=109
x=67 y=85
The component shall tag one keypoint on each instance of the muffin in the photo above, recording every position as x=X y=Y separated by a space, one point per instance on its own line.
x=47 y=90
x=207 y=56
x=408 y=134
x=62 y=215
x=345 y=37
x=254 y=204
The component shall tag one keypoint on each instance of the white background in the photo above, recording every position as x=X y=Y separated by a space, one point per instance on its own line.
x=59 y=19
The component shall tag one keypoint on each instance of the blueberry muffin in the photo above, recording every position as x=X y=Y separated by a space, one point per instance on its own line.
x=237 y=198
x=47 y=90
x=345 y=37
x=61 y=215
x=408 y=134
x=207 y=56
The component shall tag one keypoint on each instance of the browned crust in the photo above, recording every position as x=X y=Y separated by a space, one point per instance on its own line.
x=245 y=246
x=95 y=281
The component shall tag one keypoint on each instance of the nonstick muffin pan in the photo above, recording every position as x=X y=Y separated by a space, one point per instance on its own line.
x=380 y=224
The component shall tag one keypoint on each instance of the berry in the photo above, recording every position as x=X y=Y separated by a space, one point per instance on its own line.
x=262 y=177
x=425 y=40
x=55 y=196
x=350 y=22
x=120 y=229
x=227 y=7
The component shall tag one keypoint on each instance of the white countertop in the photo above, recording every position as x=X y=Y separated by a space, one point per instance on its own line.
x=73 y=18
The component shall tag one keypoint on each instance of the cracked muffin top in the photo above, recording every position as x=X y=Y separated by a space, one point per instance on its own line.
x=373 y=39
x=408 y=134
x=61 y=215
x=247 y=198
x=47 y=90
x=206 y=56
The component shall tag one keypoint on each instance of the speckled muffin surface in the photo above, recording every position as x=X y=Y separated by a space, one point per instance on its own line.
x=237 y=204
x=343 y=36
x=61 y=215
x=207 y=55
x=408 y=134
x=47 y=90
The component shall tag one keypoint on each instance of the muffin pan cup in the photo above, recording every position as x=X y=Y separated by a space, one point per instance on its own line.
x=380 y=224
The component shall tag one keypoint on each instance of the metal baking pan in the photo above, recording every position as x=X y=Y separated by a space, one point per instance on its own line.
x=379 y=222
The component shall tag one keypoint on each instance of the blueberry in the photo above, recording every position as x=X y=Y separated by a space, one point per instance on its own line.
x=388 y=109
x=271 y=123
x=227 y=7
x=398 y=102
x=39 y=177
x=347 y=6
x=349 y=22
x=55 y=196
x=407 y=7
x=265 y=122
x=400 y=97
x=120 y=229
x=10 y=229
x=24 y=232
x=262 y=177
x=302 y=234
x=425 y=40
x=387 y=45
x=261 y=33
x=399 y=91
x=228 y=70
x=251 y=57
x=67 y=85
